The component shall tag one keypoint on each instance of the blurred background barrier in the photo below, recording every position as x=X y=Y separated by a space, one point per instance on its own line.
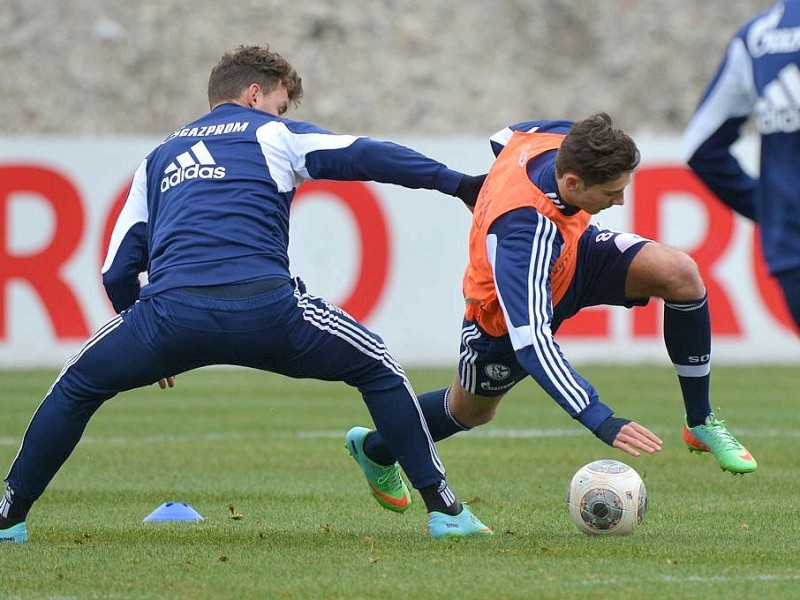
x=390 y=256
x=442 y=67
x=90 y=86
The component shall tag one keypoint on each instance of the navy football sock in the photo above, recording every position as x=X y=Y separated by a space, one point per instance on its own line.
x=436 y=409
x=439 y=498
x=687 y=334
x=13 y=509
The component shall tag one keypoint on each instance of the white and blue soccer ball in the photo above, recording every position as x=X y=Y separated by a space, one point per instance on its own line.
x=606 y=497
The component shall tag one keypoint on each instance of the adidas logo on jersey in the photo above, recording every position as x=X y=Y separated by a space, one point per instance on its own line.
x=196 y=163
x=778 y=110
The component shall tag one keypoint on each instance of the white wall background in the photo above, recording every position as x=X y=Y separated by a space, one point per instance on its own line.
x=419 y=309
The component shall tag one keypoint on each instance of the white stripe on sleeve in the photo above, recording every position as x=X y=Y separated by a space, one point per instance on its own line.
x=134 y=211
x=733 y=96
x=536 y=333
x=285 y=151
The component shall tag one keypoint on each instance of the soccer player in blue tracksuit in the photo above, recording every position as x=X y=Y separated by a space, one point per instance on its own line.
x=207 y=217
x=536 y=260
x=760 y=78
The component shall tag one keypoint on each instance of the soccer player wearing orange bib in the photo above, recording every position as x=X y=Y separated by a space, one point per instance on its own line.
x=535 y=260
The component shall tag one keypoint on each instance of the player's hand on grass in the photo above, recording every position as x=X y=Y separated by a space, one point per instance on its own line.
x=633 y=437
x=167 y=382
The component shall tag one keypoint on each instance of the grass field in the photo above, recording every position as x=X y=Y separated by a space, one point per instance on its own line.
x=269 y=452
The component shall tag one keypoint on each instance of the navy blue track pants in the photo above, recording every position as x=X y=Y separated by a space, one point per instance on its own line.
x=286 y=331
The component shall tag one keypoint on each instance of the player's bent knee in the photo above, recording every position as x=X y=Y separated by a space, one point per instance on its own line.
x=683 y=279
x=665 y=272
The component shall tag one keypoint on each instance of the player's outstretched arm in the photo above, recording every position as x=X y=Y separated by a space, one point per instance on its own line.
x=633 y=437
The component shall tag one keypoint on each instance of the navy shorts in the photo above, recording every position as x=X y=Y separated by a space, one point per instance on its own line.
x=488 y=365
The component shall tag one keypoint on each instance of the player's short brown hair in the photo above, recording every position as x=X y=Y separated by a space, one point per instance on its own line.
x=596 y=151
x=236 y=70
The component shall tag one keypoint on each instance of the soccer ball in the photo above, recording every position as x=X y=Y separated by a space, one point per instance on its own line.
x=606 y=497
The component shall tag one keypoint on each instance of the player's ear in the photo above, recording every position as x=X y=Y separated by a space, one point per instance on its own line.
x=251 y=95
x=573 y=183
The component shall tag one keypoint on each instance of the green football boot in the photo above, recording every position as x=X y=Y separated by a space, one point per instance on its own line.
x=712 y=436
x=385 y=483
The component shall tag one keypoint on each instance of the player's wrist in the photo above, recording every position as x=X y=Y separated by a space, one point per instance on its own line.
x=469 y=188
x=593 y=415
x=608 y=429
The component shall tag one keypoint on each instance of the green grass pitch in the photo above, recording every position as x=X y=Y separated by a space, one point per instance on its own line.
x=287 y=513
